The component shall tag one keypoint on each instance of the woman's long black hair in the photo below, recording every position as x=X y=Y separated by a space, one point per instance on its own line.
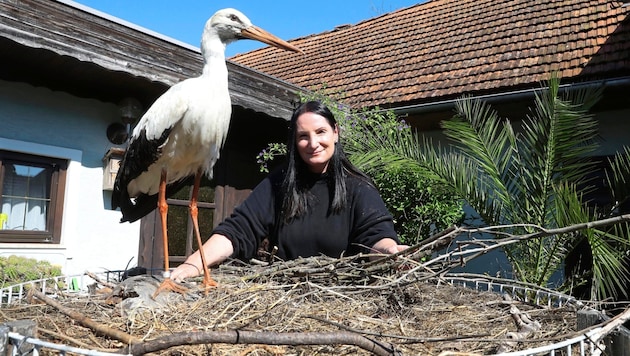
x=294 y=191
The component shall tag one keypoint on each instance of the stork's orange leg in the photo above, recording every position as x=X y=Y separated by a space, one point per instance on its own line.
x=208 y=282
x=168 y=283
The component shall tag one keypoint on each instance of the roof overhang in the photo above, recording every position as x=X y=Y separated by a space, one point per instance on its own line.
x=68 y=47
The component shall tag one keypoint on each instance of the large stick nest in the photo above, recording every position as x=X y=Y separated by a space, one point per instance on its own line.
x=395 y=304
x=399 y=309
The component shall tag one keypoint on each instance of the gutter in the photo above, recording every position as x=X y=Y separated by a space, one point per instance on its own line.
x=506 y=96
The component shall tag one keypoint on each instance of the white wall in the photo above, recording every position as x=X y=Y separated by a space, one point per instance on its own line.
x=40 y=121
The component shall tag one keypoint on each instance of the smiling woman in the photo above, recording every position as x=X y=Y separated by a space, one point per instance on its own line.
x=316 y=141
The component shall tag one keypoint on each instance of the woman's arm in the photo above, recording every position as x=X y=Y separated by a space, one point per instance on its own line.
x=216 y=250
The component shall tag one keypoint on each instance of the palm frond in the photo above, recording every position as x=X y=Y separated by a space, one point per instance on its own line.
x=608 y=272
x=464 y=177
x=619 y=177
x=483 y=138
x=487 y=142
x=556 y=138
x=610 y=275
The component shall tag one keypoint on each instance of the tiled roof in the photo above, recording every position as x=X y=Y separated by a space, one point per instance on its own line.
x=442 y=49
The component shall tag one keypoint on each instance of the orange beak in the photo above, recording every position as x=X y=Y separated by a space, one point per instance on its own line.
x=257 y=33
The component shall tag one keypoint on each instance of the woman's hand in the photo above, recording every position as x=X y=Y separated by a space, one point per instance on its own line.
x=388 y=246
x=216 y=250
x=185 y=270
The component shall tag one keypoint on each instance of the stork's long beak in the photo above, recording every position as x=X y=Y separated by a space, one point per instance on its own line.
x=257 y=33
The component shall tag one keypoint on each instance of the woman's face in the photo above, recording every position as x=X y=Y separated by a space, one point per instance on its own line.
x=315 y=141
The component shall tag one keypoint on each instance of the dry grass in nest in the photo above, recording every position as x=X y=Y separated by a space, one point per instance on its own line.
x=402 y=309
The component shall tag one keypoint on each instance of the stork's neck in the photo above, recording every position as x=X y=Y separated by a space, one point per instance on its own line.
x=213 y=52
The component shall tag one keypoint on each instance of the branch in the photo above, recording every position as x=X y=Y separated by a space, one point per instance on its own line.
x=408 y=339
x=100 y=281
x=542 y=232
x=424 y=247
x=464 y=254
x=84 y=320
x=253 y=337
x=610 y=325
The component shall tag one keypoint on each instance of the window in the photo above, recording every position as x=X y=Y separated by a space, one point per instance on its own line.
x=181 y=236
x=31 y=200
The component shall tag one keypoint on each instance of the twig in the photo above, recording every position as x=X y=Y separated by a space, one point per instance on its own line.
x=100 y=281
x=69 y=339
x=429 y=244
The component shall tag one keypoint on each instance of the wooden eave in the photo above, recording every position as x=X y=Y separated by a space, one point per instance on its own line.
x=68 y=47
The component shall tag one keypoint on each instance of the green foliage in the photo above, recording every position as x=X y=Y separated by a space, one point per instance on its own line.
x=15 y=269
x=419 y=206
x=377 y=142
x=537 y=176
x=268 y=154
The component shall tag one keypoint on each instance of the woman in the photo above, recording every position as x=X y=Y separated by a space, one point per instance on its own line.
x=318 y=204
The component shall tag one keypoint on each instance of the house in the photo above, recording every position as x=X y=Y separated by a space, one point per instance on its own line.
x=419 y=60
x=67 y=70
x=71 y=78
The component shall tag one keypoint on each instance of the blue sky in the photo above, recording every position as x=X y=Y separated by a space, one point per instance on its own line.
x=184 y=19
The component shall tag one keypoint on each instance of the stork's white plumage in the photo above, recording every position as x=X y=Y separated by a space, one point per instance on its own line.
x=182 y=133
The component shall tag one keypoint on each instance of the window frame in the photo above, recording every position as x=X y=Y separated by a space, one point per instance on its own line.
x=59 y=166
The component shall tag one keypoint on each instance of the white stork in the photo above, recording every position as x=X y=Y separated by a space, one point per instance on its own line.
x=182 y=133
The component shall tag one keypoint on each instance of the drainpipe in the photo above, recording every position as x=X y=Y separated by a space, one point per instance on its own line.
x=507 y=96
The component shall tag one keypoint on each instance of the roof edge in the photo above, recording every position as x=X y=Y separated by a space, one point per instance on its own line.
x=128 y=24
x=503 y=96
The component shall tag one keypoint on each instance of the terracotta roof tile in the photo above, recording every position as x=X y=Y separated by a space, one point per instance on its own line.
x=445 y=48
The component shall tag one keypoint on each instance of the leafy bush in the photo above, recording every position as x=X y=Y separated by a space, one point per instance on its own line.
x=419 y=206
x=15 y=269
x=268 y=154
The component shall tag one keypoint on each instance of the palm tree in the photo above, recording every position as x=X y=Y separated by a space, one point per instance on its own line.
x=538 y=176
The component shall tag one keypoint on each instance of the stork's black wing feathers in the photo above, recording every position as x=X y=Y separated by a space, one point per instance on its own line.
x=145 y=204
x=141 y=153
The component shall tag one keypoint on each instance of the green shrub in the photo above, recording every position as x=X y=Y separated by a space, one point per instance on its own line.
x=15 y=269
x=420 y=206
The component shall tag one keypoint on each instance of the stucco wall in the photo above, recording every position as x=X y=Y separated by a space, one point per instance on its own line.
x=40 y=121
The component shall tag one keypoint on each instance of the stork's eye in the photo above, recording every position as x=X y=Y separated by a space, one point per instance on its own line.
x=234 y=18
